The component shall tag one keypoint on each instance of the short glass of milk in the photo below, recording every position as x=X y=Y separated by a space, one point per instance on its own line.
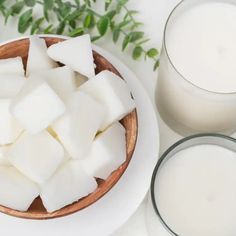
x=193 y=188
x=196 y=88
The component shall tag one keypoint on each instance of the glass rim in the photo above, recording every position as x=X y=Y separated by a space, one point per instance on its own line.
x=169 y=58
x=163 y=158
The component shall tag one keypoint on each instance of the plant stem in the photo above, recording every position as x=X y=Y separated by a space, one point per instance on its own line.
x=89 y=10
x=128 y=13
x=155 y=59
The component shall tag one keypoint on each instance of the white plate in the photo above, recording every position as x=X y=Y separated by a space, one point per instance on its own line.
x=110 y=212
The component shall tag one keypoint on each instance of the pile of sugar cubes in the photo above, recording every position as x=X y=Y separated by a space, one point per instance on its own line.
x=59 y=126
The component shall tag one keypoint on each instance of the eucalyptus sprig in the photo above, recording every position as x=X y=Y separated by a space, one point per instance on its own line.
x=74 y=18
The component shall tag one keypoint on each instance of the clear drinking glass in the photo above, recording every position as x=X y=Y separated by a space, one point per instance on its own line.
x=156 y=224
x=185 y=107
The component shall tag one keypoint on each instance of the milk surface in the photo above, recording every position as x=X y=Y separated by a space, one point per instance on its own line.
x=196 y=191
x=201 y=45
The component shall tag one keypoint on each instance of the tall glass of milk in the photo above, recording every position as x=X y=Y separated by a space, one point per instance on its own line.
x=196 y=89
x=193 y=189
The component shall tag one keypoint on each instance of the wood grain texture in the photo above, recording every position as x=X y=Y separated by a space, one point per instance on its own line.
x=130 y=122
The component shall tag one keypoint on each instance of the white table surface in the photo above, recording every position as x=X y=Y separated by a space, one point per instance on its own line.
x=154 y=14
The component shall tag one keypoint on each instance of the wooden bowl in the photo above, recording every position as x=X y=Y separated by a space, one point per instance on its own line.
x=37 y=210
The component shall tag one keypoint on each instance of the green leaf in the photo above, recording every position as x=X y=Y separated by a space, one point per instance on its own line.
x=118 y=8
x=30 y=3
x=102 y=25
x=72 y=24
x=116 y=34
x=2 y=10
x=95 y=38
x=112 y=25
x=25 y=20
x=137 y=52
x=74 y=15
x=36 y=25
x=125 y=42
x=83 y=8
x=64 y=10
x=48 y=29
x=77 y=2
x=136 y=25
x=111 y=14
x=156 y=65
x=143 y=41
x=136 y=35
x=2 y=5
x=45 y=13
x=76 y=32
x=7 y=14
x=58 y=14
x=152 y=52
x=122 y=2
x=133 y=12
x=107 y=4
x=124 y=23
x=89 y=21
x=17 y=7
x=58 y=3
x=48 y=4
x=60 y=28
x=130 y=14
x=88 y=2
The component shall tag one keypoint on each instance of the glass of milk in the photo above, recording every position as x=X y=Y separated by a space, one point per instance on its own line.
x=193 y=189
x=196 y=89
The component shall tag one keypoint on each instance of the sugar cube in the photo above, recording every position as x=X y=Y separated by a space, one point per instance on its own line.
x=3 y=160
x=61 y=79
x=36 y=156
x=10 y=85
x=13 y=66
x=67 y=185
x=108 y=152
x=113 y=92
x=10 y=128
x=75 y=53
x=16 y=191
x=38 y=59
x=77 y=128
x=37 y=105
